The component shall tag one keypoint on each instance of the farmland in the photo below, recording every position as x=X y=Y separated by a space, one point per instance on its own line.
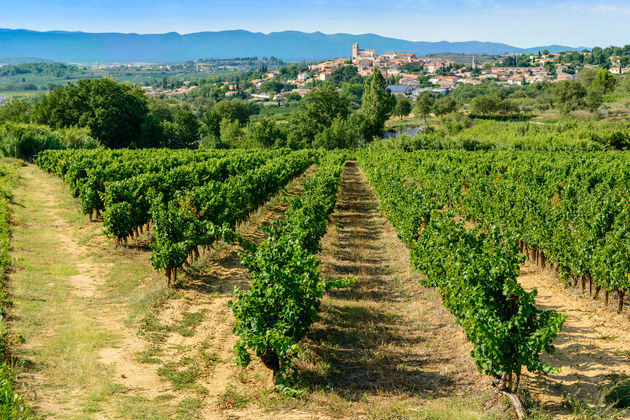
x=373 y=283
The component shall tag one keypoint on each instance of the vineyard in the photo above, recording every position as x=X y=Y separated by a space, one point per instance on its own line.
x=259 y=222
x=568 y=210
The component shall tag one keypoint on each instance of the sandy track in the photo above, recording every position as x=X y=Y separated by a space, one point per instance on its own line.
x=588 y=347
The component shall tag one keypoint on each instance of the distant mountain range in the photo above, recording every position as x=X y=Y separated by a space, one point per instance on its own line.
x=172 y=47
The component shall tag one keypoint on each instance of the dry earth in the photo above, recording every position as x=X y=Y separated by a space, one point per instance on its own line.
x=592 y=346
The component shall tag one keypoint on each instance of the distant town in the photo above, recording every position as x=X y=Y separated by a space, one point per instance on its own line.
x=409 y=75
x=270 y=81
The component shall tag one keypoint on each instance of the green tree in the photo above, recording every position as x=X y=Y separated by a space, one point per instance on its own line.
x=163 y=109
x=594 y=97
x=340 y=135
x=272 y=87
x=605 y=80
x=353 y=92
x=114 y=112
x=234 y=109
x=317 y=111
x=444 y=105
x=484 y=104
x=424 y=104
x=211 y=124
x=378 y=103
x=569 y=94
x=16 y=110
x=586 y=76
x=231 y=132
x=346 y=74
x=266 y=133
x=403 y=107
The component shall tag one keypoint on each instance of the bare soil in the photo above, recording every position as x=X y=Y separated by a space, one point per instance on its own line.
x=73 y=294
x=385 y=340
x=589 y=349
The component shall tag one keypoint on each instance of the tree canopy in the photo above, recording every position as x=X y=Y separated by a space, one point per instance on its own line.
x=116 y=113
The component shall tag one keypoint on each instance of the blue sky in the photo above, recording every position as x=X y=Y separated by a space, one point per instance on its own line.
x=520 y=23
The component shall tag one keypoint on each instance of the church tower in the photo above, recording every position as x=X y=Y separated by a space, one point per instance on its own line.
x=355 y=50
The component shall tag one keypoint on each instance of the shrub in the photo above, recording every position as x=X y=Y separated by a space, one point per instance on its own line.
x=24 y=141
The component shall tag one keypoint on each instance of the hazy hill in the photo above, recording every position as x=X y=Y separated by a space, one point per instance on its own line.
x=173 y=47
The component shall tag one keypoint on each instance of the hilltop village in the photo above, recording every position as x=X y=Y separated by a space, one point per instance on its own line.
x=409 y=75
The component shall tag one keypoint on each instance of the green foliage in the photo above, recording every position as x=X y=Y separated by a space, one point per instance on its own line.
x=346 y=74
x=235 y=110
x=505 y=135
x=12 y=406
x=119 y=220
x=274 y=314
x=403 y=107
x=231 y=132
x=273 y=87
x=183 y=132
x=266 y=133
x=569 y=94
x=424 y=103
x=52 y=69
x=16 y=110
x=476 y=269
x=318 y=109
x=594 y=97
x=200 y=215
x=340 y=135
x=604 y=80
x=619 y=393
x=26 y=140
x=77 y=138
x=378 y=103
x=115 y=113
x=444 y=105
x=492 y=104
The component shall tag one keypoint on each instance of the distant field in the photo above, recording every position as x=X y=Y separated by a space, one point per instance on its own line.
x=20 y=93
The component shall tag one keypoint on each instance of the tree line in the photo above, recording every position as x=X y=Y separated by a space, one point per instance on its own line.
x=120 y=115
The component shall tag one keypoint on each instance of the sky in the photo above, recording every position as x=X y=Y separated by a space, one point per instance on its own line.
x=520 y=23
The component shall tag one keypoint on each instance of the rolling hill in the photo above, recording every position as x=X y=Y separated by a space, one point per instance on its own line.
x=173 y=47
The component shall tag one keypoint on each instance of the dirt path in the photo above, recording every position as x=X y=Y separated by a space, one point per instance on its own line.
x=70 y=306
x=385 y=343
x=592 y=346
x=190 y=339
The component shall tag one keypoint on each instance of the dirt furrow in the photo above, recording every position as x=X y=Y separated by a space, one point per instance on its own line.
x=385 y=340
x=590 y=349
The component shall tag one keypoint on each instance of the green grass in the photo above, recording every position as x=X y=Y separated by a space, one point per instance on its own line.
x=182 y=374
x=622 y=353
x=188 y=408
x=231 y=398
x=10 y=94
x=618 y=395
x=63 y=329
x=186 y=327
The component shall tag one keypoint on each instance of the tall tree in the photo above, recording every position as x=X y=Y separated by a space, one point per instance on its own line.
x=114 y=112
x=234 y=109
x=604 y=80
x=318 y=109
x=444 y=105
x=424 y=104
x=378 y=103
x=569 y=94
x=403 y=107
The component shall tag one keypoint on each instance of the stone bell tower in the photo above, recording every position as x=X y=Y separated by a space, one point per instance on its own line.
x=355 y=50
